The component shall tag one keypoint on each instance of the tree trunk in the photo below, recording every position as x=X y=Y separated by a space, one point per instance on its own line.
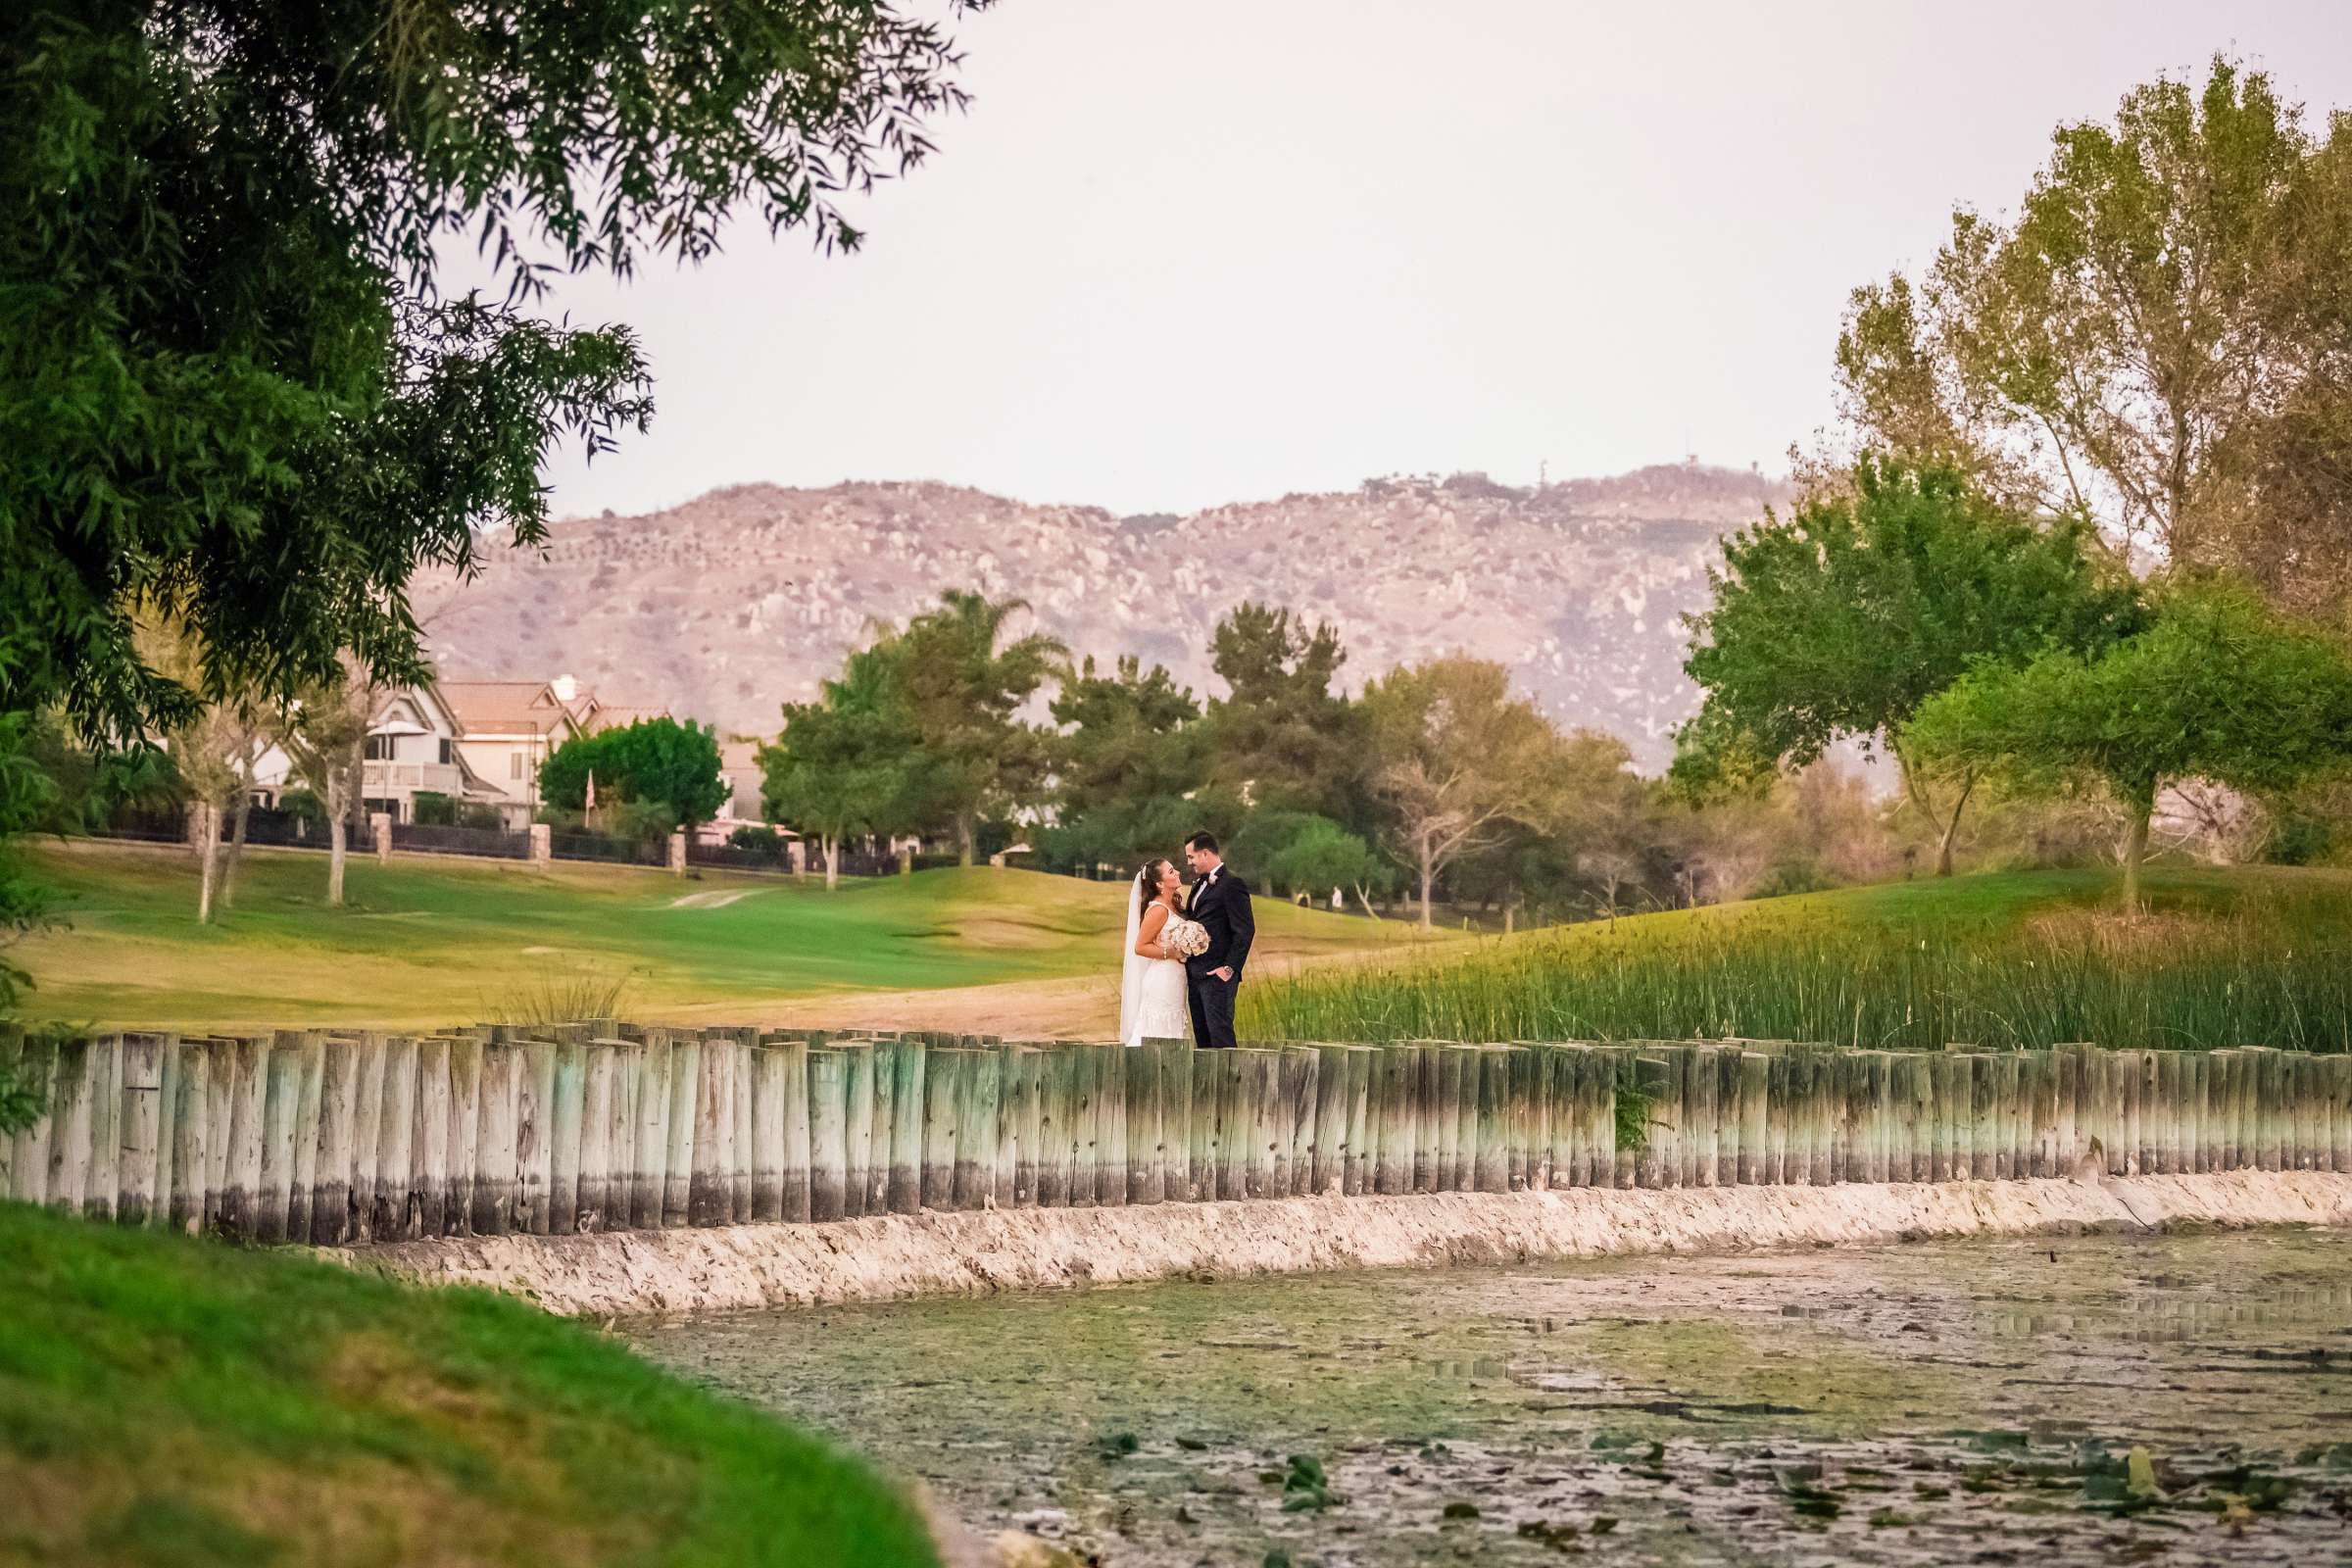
x=832 y=848
x=2135 y=847
x=338 y=835
x=1429 y=875
x=236 y=849
x=963 y=838
x=1364 y=899
x=207 y=855
x=1951 y=828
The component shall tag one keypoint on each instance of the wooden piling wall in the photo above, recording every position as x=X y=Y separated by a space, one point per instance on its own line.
x=342 y=1137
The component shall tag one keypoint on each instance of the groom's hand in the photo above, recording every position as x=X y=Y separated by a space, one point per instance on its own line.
x=1223 y=971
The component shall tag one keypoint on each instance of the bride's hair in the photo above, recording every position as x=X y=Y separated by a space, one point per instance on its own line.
x=1147 y=887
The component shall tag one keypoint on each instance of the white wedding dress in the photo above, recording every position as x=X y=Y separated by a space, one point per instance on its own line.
x=1152 y=993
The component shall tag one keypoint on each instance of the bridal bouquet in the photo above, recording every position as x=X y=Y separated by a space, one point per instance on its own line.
x=1185 y=939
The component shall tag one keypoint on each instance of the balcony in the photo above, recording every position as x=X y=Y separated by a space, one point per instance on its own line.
x=381 y=779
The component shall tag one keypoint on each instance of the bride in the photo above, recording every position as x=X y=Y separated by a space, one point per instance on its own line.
x=1151 y=984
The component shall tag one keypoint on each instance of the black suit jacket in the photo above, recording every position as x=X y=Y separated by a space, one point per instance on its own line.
x=1222 y=909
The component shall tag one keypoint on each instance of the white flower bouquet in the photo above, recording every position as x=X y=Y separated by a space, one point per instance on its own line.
x=1185 y=939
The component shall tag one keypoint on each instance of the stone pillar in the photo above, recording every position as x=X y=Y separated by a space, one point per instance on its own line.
x=677 y=852
x=542 y=843
x=379 y=828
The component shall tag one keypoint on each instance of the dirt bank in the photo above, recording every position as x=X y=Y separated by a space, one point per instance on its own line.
x=747 y=1266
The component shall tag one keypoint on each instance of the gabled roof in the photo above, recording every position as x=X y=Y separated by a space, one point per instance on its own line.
x=419 y=709
x=506 y=707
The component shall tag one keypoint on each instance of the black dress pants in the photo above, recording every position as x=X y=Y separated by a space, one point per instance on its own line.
x=1213 y=1011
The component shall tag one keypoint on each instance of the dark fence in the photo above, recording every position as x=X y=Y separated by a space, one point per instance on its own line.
x=736 y=857
x=609 y=850
x=489 y=841
x=262 y=827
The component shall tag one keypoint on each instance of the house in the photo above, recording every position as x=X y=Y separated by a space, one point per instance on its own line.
x=506 y=729
x=411 y=749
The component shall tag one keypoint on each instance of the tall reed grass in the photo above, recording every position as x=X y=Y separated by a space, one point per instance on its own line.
x=2277 y=975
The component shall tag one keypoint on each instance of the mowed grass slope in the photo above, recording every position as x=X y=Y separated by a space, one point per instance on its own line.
x=430 y=940
x=2253 y=956
x=170 y=1401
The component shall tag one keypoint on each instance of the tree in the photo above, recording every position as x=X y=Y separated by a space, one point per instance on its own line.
x=231 y=392
x=652 y=762
x=842 y=766
x=1841 y=619
x=1128 y=736
x=1282 y=736
x=962 y=682
x=1321 y=854
x=325 y=734
x=212 y=746
x=1457 y=756
x=2159 y=328
x=2216 y=687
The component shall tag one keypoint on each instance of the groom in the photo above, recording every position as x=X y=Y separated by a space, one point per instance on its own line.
x=1220 y=904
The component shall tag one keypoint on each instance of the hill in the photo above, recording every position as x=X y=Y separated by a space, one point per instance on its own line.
x=429 y=941
x=164 y=1400
x=742 y=598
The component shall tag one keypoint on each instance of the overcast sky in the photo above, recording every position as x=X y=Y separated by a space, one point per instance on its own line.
x=1176 y=256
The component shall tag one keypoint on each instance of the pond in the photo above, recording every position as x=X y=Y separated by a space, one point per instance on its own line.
x=2173 y=1398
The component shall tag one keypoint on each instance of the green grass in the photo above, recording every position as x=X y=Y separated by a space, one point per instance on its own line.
x=436 y=941
x=2221 y=958
x=167 y=1402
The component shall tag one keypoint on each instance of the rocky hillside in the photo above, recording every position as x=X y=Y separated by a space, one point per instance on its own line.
x=743 y=599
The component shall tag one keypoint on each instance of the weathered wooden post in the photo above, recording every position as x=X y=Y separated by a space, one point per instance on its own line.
x=2160 y=1078
x=1654 y=1085
x=109 y=1105
x=1302 y=1092
x=1395 y=1135
x=909 y=1096
x=978 y=1091
x=1269 y=1127
x=591 y=1181
x=1759 y=1158
x=241 y=1178
x=649 y=1176
x=1111 y=1125
x=428 y=1141
x=1055 y=1149
x=1699 y=1081
x=857 y=1131
x=1175 y=1068
x=782 y=1093
x=29 y=1146
x=745 y=1145
x=711 y=1189
x=828 y=1098
x=191 y=1129
x=567 y=1117
x=677 y=1144
x=1138 y=1073
x=942 y=1082
x=2340 y=1072
x=493 y=1153
x=1569 y=1162
x=140 y=1120
x=465 y=1132
x=1521 y=1118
